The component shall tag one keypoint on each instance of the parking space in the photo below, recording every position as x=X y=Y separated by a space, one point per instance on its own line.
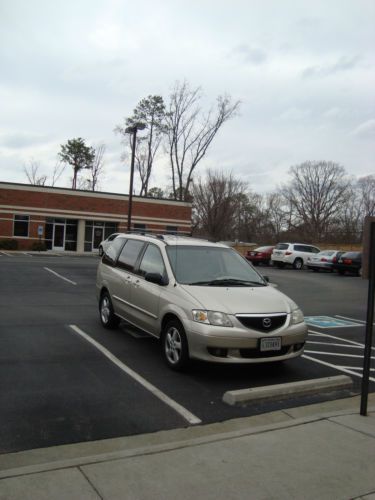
x=67 y=379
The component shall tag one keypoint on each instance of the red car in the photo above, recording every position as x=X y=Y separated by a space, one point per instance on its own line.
x=261 y=255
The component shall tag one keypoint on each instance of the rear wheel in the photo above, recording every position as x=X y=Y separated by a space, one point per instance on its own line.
x=298 y=264
x=175 y=345
x=107 y=316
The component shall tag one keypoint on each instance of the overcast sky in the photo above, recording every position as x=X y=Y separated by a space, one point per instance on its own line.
x=303 y=70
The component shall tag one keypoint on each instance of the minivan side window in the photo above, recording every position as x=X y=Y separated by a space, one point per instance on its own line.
x=112 y=251
x=129 y=254
x=152 y=262
x=300 y=248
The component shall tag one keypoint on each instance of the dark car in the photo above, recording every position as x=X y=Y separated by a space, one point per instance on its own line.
x=261 y=255
x=349 y=262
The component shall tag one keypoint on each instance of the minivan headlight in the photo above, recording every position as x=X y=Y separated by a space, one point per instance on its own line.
x=215 y=318
x=297 y=316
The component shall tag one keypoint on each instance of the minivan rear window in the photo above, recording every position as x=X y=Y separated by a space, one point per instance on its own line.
x=282 y=246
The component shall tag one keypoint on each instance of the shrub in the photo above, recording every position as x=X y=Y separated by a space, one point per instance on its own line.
x=38 y=246
x=8 y=244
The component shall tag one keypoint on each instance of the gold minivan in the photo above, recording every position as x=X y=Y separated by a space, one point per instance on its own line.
x=202 y=299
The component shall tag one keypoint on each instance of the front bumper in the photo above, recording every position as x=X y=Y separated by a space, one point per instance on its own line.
x=241 y=345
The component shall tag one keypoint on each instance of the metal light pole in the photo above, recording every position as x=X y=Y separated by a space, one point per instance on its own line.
x=132 y=130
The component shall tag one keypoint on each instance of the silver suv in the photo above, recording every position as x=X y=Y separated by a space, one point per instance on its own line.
x=294 y=254
x=203 y=300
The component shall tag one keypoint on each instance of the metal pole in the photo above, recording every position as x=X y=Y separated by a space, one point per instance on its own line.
x=369 y=322
x=130 y=205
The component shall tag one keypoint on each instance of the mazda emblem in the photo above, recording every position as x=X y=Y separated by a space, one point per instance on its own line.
x=266 y=322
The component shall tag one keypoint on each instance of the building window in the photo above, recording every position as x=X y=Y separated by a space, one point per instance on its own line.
x=140 y=228
x=21 y=225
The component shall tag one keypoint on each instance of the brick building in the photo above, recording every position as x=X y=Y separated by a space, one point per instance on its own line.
x=67 y=219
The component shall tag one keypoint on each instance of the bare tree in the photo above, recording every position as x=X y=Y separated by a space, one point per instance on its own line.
x=37 y=179
x=97 y=168
x=316 y=193
x=366 y=187
x=33 y=175
x=216 y=204
x=191 y=131
x=151 y=112
x=276 y=214
x=57 y=172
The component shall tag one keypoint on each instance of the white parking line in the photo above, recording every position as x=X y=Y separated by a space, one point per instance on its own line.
x=357 y=368
x=189 y=417
x=351 y=319
x=338 y=368
x=337 y=354
x=319 y=334
x=7 y=254
x=59 y=275
x=28 y=254
x=336 y=345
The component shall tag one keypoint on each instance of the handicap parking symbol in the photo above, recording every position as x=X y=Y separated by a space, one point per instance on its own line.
x=328 y=322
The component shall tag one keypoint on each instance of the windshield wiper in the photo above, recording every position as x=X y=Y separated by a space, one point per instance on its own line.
x=227 y=282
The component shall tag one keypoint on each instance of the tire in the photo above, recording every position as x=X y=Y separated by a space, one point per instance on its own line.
x=107 y=316
x=298 y=264
x=175 y=347
x=101 y=251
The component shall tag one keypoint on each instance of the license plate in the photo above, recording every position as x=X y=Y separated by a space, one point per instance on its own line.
x=278 y=253
x=270 y=344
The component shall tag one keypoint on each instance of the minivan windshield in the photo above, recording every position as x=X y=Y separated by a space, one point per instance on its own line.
x=211 y=266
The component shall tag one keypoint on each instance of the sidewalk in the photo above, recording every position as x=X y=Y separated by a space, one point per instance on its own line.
x=322 y=451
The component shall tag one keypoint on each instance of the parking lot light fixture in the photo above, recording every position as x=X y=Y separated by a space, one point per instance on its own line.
x=132 y=130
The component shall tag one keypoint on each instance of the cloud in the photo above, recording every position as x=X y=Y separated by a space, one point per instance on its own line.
x=249 y=54
x=365 y=131
x=21 y=140
x=344 y=63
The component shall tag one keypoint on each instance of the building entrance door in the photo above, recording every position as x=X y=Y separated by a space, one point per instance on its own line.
x=98 y=237
x=58 y=236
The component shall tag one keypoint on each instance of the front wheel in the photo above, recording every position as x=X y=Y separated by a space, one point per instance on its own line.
x=298 y=264
x=107 y=316
x=175 y=345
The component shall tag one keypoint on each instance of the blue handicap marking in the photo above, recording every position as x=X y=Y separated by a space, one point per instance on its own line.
x=328 y=322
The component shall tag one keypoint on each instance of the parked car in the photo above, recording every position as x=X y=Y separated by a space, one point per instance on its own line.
x=201 y=299
x=294 y=254
x=105 y=243
x=260 y=255
x=349 y=262
x=323 y=260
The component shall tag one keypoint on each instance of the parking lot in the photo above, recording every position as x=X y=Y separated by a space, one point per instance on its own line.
x=65 y=379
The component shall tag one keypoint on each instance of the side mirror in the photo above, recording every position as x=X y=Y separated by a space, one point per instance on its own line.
x=156 y=278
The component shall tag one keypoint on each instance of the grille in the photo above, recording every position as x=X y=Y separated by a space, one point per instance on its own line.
x=261 y=323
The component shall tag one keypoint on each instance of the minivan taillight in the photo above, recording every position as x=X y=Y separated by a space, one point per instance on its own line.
x=288 y=253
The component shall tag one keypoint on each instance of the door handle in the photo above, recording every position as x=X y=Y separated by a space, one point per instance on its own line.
x=136 y=283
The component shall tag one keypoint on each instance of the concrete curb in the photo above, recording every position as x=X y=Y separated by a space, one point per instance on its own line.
x=284 y=390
